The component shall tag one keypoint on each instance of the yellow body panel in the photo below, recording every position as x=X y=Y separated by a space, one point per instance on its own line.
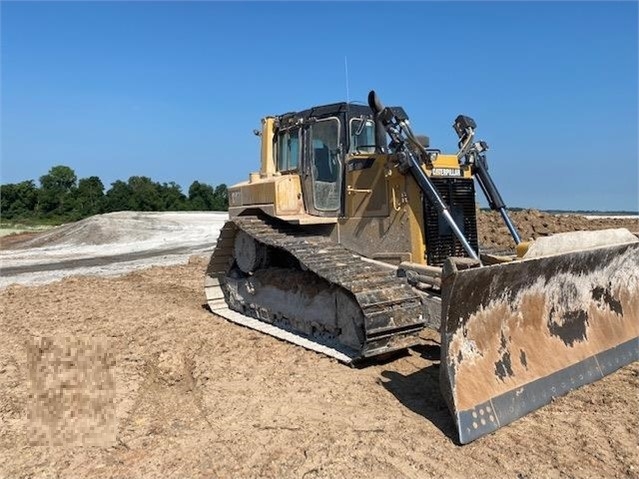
x=366 y=187
x=383 y=211
x=267 y=163
x=283 y=193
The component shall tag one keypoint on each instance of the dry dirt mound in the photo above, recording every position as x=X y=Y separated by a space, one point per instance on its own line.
x=99 y=229
x=15 y=240
x=109 y=228
x=109 y=244
x=532 y=224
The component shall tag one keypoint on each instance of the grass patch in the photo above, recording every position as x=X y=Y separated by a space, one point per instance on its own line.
x=9 y=228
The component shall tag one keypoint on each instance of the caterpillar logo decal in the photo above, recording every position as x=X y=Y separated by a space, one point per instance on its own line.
x=446 y=172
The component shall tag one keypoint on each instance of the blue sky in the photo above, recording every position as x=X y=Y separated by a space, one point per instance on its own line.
x=174 y=90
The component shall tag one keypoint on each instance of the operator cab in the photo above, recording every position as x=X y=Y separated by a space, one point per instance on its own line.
x=315 y=144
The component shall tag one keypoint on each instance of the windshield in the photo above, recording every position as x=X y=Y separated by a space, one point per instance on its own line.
x=326 y=164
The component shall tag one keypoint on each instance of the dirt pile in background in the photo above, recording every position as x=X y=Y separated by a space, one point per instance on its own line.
x=108 y=245
x=531 y=224
x=121 y=227
x=94 y=230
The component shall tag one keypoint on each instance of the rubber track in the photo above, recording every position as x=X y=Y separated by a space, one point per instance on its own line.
x=389 y=305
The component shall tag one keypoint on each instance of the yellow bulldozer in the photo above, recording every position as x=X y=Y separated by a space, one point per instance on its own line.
x=355 y=235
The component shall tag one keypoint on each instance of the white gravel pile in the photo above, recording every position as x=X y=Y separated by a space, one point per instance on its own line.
x=110 y=245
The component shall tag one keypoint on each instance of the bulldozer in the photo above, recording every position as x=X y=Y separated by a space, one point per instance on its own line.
x=355 y=235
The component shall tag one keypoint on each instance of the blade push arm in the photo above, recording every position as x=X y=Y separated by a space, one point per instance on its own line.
x=474 y=154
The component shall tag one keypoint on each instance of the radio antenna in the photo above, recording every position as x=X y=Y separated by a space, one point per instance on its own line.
x=346 y=75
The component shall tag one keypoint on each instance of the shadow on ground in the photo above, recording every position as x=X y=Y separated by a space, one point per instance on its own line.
x=419 y=392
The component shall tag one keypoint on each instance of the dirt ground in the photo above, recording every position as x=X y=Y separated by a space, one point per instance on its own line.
x=196 y=396
x=15 y=239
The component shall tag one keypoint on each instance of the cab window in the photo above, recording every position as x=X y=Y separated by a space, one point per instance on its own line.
x=288 y=150
x=362 y=135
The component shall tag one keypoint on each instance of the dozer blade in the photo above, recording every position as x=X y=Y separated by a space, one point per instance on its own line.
x=516 y=335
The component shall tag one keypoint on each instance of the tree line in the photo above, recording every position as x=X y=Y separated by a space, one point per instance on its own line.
x=61 y=197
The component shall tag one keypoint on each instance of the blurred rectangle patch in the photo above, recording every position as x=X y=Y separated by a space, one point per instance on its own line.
x=71 y=391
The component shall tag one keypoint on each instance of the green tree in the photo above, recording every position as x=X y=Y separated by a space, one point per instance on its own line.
x=201 y=196
x=62 y=197
x=145 y=195
x=221 y=198
x=172 y=197
x=139 y=193
x=89 y=197
x=18 y=200
x=118 y=197
x=56 y=191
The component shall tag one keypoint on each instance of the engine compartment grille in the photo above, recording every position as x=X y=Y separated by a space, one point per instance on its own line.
x=459 y=196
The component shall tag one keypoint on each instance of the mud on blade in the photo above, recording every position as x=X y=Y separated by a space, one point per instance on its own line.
x=518 y=334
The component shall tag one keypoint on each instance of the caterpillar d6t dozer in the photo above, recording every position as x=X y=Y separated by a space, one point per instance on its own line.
x=355 y=235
